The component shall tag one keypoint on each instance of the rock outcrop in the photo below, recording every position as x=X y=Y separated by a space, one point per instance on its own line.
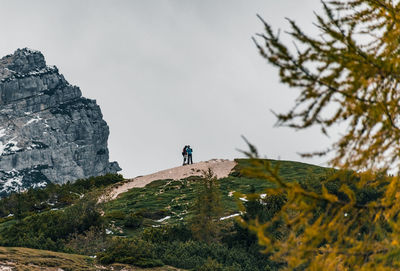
x=48 y=131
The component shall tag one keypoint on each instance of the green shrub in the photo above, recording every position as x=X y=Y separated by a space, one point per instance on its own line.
x=194 y=254
x=50 y=230
x=167 y=233
x=90 y=242
x=211 y=265
x=99 y=181
x=133 y=220
x=130 y=251
x=116 y=215
x=151 y=214
x=37 y=200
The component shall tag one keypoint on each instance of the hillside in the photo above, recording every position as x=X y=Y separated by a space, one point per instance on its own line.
x=146 y=226
x=166 y=197
x=14 y=258
x=220 y=167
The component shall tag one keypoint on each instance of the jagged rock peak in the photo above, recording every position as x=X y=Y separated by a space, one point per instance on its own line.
x=48 y=131
x=22 y=61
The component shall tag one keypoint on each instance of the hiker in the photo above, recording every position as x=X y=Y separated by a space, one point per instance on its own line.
x=189 y=155
x=185 y=155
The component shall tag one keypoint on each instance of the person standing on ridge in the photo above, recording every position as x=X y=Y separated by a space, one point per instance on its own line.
x=189 y=153
x=185 y=155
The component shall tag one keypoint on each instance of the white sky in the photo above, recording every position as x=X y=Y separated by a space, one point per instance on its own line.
x=169 y=73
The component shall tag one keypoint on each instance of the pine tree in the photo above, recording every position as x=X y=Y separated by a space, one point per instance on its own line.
x=207 y=209
x=348 y=74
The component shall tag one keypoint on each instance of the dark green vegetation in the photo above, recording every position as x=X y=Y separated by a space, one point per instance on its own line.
x=150 y=226
x=207 y=210
x=15 y=258
x=54 y=196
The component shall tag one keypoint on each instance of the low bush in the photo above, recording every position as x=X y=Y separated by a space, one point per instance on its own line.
x=130 y=251
x=194 y=254
x=211 y=265
x=89 y=242
x=133 y=220
x=179 y=232
x=52 y=196
x=50 y=230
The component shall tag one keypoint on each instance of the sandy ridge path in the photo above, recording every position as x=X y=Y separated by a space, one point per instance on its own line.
x=220 y=167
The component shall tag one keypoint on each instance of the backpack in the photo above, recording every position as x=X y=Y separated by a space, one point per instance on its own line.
x=184 y=151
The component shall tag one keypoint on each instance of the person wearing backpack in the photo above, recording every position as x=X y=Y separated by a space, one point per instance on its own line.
x=185 y=155
x=189 y=155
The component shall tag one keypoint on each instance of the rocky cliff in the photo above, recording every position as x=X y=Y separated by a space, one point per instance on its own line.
x=48 y=131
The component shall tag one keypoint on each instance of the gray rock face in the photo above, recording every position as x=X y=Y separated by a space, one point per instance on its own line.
x=48 y=131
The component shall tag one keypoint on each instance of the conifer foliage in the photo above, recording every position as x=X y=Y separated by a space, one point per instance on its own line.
x=207 y=209
x=349 y=74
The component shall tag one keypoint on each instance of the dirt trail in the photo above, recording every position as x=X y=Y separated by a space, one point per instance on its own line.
x=220 y=167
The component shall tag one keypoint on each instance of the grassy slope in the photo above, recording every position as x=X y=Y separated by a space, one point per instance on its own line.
x=33 y=259
x=155 y=201
x=174 y=198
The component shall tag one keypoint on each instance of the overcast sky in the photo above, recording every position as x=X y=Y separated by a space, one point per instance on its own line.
x=170 y=73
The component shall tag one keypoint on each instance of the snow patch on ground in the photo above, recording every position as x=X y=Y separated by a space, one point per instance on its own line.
x=39 y=185
x=2 y=132
x=163 y=219
x=10 y=146
x=5 y=268
x=13 y=183
x=2 y=147
x=13 y=145
x=229 y=216
x=79 y=195
x=33 y=120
